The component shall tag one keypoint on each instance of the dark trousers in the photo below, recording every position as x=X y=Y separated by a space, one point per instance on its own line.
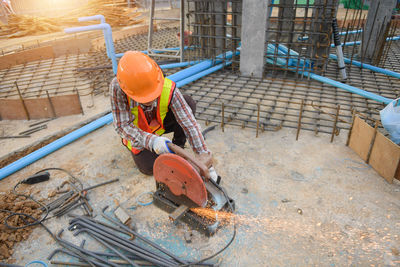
x=145 y=159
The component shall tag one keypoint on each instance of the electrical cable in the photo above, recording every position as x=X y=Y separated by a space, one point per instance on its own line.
x=24 y=215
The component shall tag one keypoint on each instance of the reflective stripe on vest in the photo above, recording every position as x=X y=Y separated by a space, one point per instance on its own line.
x=157 y=125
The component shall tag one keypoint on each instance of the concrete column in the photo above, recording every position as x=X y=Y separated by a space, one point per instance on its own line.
x=378 y=20
x=254 y=26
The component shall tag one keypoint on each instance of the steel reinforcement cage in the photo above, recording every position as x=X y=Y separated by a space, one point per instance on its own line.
x=214 y=28
x=298 y=36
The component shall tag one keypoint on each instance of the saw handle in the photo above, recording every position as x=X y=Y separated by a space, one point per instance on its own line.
x=200 y=166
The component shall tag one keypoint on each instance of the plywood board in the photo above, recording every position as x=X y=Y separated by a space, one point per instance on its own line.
x=39 y=108
x=22 y=57
x=361 y=137
x=12 y=109
x=66 y=105
x=385 y=157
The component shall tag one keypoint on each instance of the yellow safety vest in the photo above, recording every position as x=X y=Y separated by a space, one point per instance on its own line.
x=156 y=126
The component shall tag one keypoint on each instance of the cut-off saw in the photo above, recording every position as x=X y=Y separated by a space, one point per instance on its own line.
x=184 y=183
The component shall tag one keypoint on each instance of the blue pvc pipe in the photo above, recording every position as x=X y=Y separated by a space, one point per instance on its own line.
x=396 y=38
x=40 y=153
x=337 y=84
x=369 y=67
x=180 y=75
x=179 y=65
x=304 y=38
x=119 y=55
x=348 y=88
x=102 y=20
x=201 y=74
x=95 y=17
x=107 y=38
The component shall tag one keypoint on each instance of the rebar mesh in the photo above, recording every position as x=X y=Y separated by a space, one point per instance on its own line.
x=278 y=99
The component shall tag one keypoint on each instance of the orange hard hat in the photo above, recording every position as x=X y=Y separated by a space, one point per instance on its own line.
x=140 y=77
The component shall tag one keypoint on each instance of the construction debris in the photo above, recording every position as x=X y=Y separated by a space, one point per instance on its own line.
x=116 y=13
x=9 y=204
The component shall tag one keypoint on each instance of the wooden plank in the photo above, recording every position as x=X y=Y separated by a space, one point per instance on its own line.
x=22 y=57
x=11 y=109
x=361 y=137
x=39 y=108
x=66 y=105
x=385 y=157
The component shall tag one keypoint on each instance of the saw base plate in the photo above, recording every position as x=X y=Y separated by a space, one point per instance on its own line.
x=203 y=225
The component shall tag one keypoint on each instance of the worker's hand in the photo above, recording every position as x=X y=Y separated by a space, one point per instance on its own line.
x=205 y=158
x=160 y=145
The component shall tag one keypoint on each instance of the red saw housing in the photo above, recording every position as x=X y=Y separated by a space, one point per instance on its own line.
x=180 y=177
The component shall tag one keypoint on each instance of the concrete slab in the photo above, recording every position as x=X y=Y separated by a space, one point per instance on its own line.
x=309 y=202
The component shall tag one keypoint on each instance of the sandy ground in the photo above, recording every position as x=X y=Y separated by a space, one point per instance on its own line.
x=306 y=202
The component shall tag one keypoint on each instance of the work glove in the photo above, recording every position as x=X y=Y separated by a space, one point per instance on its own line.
x=160 y=145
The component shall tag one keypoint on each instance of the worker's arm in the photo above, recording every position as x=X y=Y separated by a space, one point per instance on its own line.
x=123 y=119
x=186 y=120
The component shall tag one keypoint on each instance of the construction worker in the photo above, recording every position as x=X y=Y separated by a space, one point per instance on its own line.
x=146 y=105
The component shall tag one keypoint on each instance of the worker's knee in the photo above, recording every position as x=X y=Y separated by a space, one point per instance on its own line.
x=146 y=171
x=144 y=160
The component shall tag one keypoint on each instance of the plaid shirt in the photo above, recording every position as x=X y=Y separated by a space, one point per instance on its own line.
x=123 y=120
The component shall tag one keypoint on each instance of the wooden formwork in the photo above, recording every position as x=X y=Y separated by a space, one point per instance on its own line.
x=375 y=149
x=40 y=108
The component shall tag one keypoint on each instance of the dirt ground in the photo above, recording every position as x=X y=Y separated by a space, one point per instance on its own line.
x=306 y=202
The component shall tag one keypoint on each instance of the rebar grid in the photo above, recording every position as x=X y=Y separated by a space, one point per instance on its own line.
x=214 y=28
x=278 y=100
x=56 y=76
x=61 y=75
x=305 y=29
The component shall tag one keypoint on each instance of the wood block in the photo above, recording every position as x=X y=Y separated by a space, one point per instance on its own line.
x=122 y=215
x=39 y=108
x=22 y=57
x=361 y=137
x=66 y=105
x=385 y=157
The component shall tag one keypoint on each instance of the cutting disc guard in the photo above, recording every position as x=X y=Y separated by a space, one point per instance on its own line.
x=180 y=177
